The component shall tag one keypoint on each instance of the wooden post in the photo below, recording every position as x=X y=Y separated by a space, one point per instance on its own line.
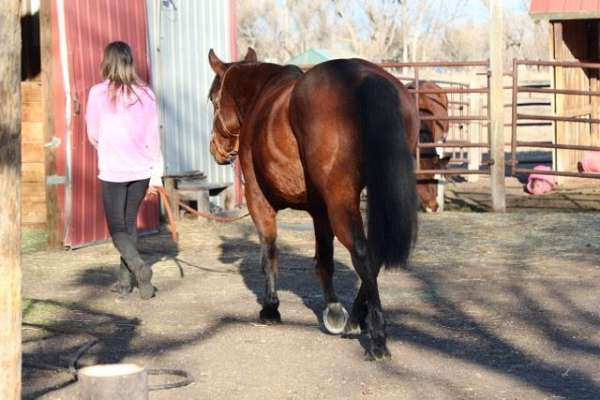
x=496 y=125
x=10 y=209
x=52 y=208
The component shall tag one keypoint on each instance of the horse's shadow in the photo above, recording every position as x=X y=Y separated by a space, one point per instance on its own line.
x=297 y=274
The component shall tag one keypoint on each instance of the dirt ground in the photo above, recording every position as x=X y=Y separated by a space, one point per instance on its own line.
x=574 y=195
x=492 y=306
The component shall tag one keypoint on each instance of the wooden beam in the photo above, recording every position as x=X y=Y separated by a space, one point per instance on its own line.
x=496 y=126
x=52 y=206
x=10 y=209
x=565 y=15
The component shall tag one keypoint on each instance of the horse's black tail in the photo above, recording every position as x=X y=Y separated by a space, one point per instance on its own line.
x=391 y=185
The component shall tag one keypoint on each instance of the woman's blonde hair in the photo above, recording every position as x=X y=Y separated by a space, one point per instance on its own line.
x=118 y=67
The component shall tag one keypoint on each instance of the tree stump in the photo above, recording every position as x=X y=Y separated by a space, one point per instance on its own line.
x=113 y=382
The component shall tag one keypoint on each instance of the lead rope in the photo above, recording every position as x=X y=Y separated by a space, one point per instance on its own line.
x=167 y=200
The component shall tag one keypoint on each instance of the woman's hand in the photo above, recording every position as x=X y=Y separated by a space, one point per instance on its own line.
x=152 y=191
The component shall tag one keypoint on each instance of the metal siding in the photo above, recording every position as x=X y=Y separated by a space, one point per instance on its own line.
x=179 y=42
x=91 y=24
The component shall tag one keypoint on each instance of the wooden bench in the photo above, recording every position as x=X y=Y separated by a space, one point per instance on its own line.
x=200 y=192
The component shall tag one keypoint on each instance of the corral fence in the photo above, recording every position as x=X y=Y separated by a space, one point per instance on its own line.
x=560 y=141
x=469 y=116
x=465 y=119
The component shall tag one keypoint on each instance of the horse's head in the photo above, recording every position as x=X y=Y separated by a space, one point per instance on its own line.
x=427 y=185
x=227 y=120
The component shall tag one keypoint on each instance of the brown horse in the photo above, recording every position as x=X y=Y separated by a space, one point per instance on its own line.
x=312 y=141
x=427 y=184
x=433 y=104
x=431 y=131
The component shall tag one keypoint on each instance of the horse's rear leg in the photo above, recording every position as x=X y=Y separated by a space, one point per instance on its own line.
x=334 y=315
x=348 y=227
x=357 y=321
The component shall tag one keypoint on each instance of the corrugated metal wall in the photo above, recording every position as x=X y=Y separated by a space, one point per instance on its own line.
x=90 y=26
x=181 y=33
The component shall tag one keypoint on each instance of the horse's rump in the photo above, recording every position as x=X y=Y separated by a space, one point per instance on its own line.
x=356 y=125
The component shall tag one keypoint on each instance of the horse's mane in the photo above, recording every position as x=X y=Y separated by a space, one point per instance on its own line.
x=264 y=70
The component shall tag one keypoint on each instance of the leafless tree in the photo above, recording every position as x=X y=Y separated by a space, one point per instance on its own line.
x=278 y=30
x=409 y=30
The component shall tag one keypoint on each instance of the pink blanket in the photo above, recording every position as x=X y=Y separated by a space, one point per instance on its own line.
x=539 y=183
x=590 y=163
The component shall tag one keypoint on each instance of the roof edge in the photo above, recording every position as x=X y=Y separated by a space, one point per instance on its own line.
x=565 y=15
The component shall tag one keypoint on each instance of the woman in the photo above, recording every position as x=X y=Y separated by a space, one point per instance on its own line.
x=122 y=125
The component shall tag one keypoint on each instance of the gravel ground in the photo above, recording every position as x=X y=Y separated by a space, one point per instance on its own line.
x=492 y=306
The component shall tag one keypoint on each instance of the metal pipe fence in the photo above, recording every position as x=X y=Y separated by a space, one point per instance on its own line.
x=459 y=116
x=550 y=119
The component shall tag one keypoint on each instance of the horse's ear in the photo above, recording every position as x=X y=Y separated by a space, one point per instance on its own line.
x=251 y=55
x=215 y=63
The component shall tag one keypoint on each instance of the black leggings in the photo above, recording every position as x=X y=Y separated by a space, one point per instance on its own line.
x=122 y=202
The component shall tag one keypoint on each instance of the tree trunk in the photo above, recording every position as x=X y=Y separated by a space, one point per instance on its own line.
x=10 y=220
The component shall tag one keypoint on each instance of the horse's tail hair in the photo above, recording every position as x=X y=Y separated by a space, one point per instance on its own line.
x=391 y=185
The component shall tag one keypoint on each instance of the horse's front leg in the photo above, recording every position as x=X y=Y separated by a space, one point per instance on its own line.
x=264 y=217
x=268 y=260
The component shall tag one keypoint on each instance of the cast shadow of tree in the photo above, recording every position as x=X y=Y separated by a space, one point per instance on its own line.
x=58 y=339
x=480 y=344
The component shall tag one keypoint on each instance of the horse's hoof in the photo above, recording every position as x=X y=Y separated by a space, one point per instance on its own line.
x=378 y=353
x=335 y=318
x=270 y=315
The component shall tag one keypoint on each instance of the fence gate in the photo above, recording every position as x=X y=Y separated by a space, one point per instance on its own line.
x=574 y=119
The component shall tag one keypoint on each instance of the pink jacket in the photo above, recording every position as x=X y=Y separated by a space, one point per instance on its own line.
x=125 y=134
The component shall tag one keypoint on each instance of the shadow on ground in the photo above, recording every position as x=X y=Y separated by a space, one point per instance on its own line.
x=473 y=340
x=533 y=313
x=297 y=274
